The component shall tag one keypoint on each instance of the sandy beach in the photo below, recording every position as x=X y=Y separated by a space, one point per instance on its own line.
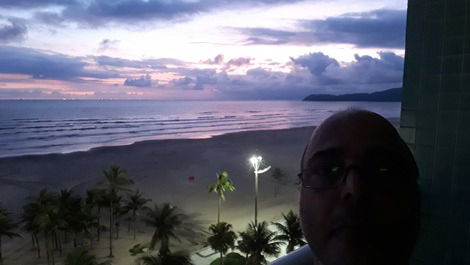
x=161 y=169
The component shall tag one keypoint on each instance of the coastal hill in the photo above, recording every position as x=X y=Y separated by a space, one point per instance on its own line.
x=392 y=94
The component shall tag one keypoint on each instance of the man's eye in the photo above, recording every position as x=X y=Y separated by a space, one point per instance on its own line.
x=329 y=171
x=334 y=169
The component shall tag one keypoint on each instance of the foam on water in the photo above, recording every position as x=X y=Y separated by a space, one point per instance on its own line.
x=40 y=127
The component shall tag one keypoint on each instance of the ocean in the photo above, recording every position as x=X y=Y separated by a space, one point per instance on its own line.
x=61 y=126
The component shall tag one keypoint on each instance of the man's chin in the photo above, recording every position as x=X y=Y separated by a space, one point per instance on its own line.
x=349 y=248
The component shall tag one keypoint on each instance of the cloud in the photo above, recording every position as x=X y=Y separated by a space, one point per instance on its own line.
x=219 y=59
x=143 y=81
x=14 y=30
x=384 y=28
x=107 y=44
x=239 y=61
x=310 y=73
x=232 y=63
x=49 y=18
x=365 y=72
x=14 y=60
x=148 y=63
x=315 y=62
x=27 y=4
x=102 y=12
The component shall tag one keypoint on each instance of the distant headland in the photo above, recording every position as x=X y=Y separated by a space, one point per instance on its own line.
x=392 y=94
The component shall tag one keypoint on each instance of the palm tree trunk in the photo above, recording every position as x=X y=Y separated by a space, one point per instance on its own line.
x=218 y=210
x=47 y=249
x=60 y=246
x=32 y=239
x=1 y=257
x=221 y=259
x=111 y=228
x=134 y=217
x=52 y=256
x=38 y=246
x=98 y=230
x=56 y=243
x=164 y=248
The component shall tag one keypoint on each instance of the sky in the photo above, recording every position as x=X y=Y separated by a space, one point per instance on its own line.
x=199 y=49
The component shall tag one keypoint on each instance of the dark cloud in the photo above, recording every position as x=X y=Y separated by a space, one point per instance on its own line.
x=219 y=59
x=311 y=73
x=378 y=28
x=195 y=79
x=232 y=63
x=239 y=61
x=148 y=63
x=15 y=30
x=364 y=72
x=315 y=62
x=107 y=44
x=143 y=81
x=270 y=36
x=101 y=12
x=27 y=4
x=50 y=18
x=14 y=60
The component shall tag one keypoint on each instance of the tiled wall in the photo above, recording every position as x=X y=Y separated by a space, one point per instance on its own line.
x=435 y=122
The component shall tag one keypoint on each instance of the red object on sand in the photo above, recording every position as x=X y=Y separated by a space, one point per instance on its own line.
x=191 y=178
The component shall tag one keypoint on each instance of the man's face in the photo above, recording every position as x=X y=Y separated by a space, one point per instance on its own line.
x=359 y=202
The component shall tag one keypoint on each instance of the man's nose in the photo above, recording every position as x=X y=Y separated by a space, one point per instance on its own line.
x=352 y=185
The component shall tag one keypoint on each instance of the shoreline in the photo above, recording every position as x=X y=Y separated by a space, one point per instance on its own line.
x=77 y=170
x=148 y=140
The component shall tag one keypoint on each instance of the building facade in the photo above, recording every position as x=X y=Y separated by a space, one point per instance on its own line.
x=435 y=123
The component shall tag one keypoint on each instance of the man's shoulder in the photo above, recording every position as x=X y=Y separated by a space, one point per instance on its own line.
x=300 y=256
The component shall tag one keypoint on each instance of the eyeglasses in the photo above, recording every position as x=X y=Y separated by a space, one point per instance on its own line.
x=329 y=176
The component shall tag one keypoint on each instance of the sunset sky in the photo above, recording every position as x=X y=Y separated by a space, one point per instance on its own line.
x=198 y=49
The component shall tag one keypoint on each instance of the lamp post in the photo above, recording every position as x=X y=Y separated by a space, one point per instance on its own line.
x=256 y=162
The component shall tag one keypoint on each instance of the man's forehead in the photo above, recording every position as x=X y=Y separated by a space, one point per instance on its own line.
x=357 y=130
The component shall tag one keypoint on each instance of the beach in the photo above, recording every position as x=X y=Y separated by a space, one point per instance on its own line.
x=162 y=170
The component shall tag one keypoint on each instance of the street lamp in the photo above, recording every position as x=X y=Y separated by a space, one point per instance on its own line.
x=256 y=162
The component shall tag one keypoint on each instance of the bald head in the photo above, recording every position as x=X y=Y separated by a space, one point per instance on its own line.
x=359 y=197
x=349 y=126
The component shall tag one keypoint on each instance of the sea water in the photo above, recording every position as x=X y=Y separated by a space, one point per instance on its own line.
x=62 y=126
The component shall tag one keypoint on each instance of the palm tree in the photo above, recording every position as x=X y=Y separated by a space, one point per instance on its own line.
x=222 y=185
x=135 y=203
x=177 y=258
x=81 y=256
x=30 y=211
x=48 y=220
x=290 y=231
x=165 y=220
x=278 y=177
x=114 y=183
x=258 y=241
x=222 y=238
x=81 y=221
x=41 y=215
x=6 y=228
x=68 y=206
x=96 y=198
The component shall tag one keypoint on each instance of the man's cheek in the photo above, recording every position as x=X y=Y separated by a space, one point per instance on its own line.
x=313 y=219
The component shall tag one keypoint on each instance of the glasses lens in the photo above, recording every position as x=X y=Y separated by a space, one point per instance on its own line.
x=322 y=176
